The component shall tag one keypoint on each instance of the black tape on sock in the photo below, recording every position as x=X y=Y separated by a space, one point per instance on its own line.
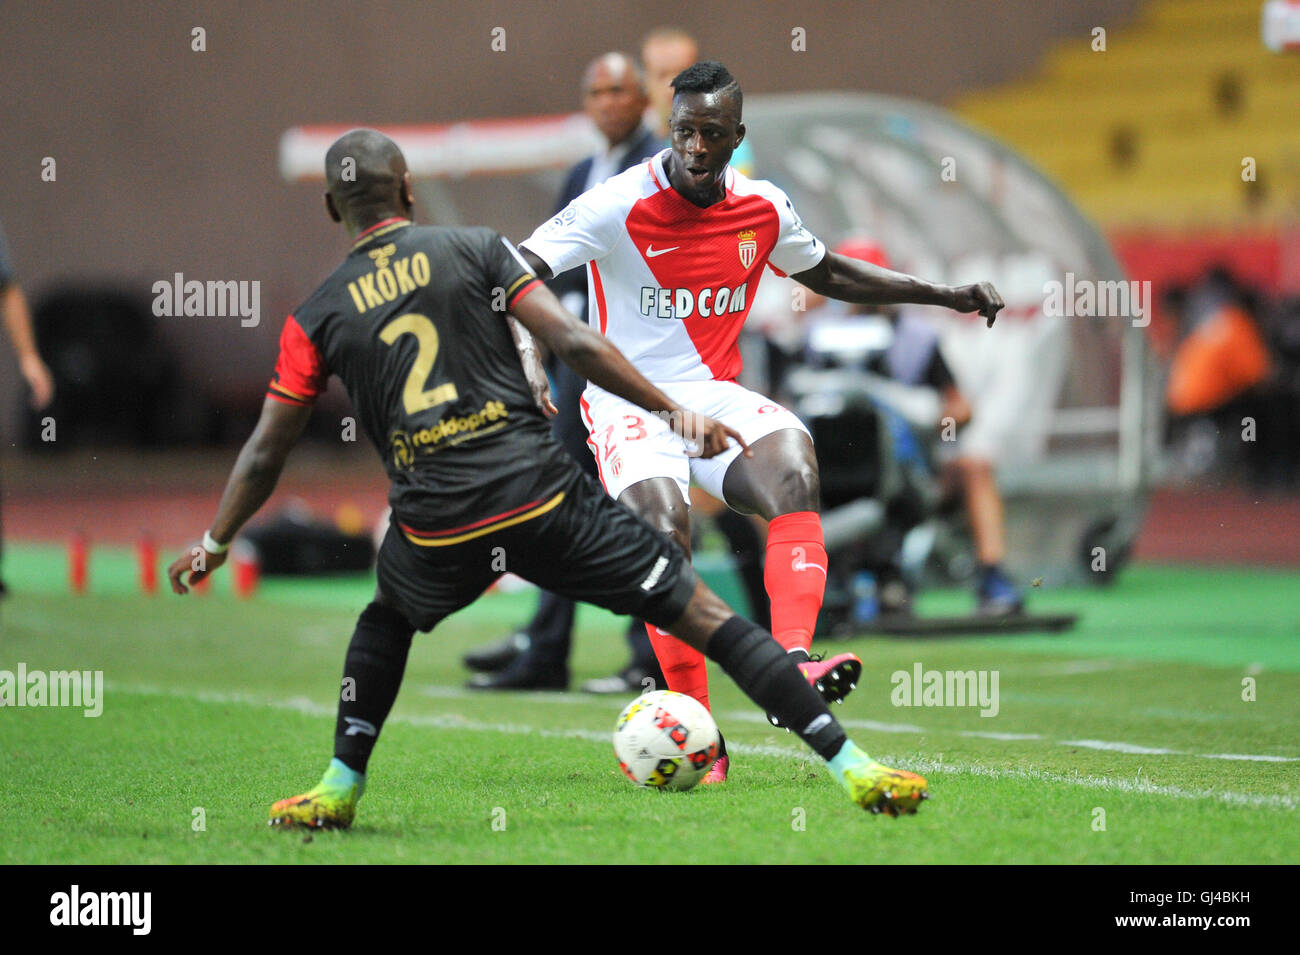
x=764 y=671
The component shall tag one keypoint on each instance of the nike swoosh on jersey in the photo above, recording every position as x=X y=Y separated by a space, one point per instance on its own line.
x=651 y=251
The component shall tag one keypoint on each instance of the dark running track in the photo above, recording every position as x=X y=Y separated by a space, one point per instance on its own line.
x=113 y=498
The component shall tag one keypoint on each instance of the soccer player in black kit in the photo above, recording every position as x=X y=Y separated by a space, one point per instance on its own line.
x=418 y=323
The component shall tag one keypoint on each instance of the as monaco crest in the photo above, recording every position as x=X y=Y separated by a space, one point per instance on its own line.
x=748 y=247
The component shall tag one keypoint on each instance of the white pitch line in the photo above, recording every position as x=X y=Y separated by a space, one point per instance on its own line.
x=1139 y=786
x=747 y=716
x=1244 y=756
x=301 y=704
x=449 y=721
x=1120 y=747
x=1073 y=668
x=1114 y=747
x=874 y=726
x=535 y=696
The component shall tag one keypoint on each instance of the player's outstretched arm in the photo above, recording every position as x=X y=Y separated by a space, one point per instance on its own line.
x=591 y=355
x=852 y=280
x=251 y=482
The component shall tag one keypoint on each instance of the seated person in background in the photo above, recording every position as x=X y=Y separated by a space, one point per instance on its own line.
x=1234 y=379
x=1222 y=354
x=914 y=358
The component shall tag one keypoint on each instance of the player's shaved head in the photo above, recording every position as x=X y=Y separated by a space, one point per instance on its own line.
x=366 y=178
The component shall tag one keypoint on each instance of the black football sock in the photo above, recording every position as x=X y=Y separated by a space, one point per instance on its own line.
x=761 y=667
x=372 y=674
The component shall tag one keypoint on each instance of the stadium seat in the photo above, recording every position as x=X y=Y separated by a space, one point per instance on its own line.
x=1135 y=149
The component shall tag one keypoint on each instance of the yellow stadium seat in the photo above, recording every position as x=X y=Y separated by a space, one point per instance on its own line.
x=1155 y=129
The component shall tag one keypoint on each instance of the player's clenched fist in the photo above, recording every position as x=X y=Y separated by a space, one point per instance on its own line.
x=704 y=436
x=981 y=297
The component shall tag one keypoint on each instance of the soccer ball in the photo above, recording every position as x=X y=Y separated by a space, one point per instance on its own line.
x=665 y=740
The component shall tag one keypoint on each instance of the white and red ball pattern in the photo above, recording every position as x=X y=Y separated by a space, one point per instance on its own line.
x=665 y=740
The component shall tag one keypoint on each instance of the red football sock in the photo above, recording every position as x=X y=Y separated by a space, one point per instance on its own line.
x=795 y=576
x=683 y=666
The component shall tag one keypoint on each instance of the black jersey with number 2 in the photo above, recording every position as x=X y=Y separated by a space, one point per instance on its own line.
x=414 y=325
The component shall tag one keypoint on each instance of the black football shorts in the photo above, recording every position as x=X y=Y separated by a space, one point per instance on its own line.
x=586 y=547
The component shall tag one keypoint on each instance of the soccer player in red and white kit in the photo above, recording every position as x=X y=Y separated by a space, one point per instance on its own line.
x=675 y=248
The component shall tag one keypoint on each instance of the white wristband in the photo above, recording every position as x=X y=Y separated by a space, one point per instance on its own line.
x=211 y=546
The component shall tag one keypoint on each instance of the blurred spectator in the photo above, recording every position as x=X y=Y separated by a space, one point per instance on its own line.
x=913 y=357
x=18 y=326
x=1233 y=392
x=1222 y=354
x=665 y=52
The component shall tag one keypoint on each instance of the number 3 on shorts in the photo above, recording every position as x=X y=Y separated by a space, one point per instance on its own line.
x=635 y=428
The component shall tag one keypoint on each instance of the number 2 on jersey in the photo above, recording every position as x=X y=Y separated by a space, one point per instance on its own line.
x=415 y=397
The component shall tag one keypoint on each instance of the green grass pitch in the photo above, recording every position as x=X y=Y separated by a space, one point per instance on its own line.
x=215 y=707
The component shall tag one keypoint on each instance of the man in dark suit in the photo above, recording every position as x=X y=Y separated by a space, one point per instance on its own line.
x=536 y=657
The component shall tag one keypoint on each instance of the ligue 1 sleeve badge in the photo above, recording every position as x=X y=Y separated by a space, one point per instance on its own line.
x=748 y=247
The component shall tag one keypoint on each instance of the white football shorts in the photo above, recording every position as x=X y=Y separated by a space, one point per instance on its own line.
x=631 y=445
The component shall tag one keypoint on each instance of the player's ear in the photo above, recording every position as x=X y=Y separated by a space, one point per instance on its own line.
x=408 y=197
x=329 y=208
x=740 y=135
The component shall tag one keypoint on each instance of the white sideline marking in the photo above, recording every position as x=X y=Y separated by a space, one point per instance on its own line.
x=1183 y=716
x=533 y=696
x=1074 y=668
x=851 y=724
x=1253 y=800
x=302 y=704
x=450 y=721
x=1257 y=759
x=745 y=716
x=1120 y=747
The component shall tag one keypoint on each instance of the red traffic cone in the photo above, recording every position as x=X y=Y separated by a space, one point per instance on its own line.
x=78 y=554
x=247 y=568
x=146 y=561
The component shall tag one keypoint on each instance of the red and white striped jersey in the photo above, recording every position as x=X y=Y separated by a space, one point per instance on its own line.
x=671 y=283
